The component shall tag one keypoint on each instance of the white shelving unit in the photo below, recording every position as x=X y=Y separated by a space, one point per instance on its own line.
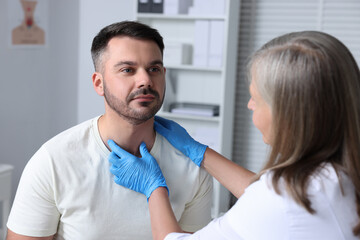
x=202 y=84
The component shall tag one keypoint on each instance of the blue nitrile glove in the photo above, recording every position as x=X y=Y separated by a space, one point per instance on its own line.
x=180 y=139
x=142 y=175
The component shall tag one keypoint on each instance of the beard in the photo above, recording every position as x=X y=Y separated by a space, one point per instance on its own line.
x=132 y=115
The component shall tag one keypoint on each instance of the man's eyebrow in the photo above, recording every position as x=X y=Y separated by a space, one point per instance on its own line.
x=130 y=63
x=157 y=62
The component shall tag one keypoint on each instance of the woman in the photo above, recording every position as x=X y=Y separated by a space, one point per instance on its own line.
x=305 y=98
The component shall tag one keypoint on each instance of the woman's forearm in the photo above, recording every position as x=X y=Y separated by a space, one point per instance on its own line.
x=163 y=220
x=232 y=176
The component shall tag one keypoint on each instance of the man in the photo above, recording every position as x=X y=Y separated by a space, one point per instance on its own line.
x=66 y=189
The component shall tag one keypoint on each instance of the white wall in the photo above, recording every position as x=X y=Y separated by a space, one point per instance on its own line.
x=38 y=93
x=94 y=15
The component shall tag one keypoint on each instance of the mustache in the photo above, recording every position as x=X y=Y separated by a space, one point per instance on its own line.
x=143 y=91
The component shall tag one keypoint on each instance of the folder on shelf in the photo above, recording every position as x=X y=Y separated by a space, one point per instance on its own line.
x=144 y=6
x=177 y=53
x=173 y=7
x=150 y=6
x=216 y=43
x=196 y=109
x=201 y=43
x=206 y=7
x=157 y=6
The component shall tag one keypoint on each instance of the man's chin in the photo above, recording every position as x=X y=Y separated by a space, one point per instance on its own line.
x=140 y=117
x=146 y=110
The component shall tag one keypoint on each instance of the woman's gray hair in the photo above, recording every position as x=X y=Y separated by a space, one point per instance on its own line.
x=311 y=81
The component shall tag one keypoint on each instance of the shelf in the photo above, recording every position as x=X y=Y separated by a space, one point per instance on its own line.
x=180 y=17
x=187 y=117
x=203 y=84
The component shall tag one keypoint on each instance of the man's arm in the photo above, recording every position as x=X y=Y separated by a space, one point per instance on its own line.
x=34 y=211
x=14 y=236
x=197 y=211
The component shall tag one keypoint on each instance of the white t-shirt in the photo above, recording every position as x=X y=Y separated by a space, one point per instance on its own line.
x=262 y=214
x=67 y=188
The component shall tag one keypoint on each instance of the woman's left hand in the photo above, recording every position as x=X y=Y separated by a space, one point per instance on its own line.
x=142 y=175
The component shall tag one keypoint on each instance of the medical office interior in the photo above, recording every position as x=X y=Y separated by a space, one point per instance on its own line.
x=46 y=89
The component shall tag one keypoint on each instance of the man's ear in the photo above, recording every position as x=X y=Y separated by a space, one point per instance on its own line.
x=98 y=83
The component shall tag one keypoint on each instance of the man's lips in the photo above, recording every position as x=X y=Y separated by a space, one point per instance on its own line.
x=144 y=98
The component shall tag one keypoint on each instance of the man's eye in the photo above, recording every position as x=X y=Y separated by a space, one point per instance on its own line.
x=126 y=70
x=154 y=69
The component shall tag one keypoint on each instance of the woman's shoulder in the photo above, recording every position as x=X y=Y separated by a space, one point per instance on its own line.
x=327 y=176
x=277 y=213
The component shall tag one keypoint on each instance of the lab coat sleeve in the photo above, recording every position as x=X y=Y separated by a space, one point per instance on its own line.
x=258 y=214
x=218 y=229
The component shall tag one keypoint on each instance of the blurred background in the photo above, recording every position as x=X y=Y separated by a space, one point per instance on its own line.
x=45 y=90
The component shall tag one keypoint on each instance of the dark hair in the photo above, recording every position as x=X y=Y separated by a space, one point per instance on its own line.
x=131 y=29
x=312 y=84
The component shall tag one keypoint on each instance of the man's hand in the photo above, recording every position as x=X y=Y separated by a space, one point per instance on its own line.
x=142 y=175
x=180 y=139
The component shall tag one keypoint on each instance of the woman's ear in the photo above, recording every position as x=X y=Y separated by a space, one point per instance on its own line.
x=98 y=83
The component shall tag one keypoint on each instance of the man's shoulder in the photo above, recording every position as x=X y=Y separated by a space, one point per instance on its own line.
x=174 y=163
x=68 y=146
x=72 y=136
x=78 y=130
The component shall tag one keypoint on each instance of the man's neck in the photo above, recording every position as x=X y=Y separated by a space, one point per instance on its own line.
x=125 y=134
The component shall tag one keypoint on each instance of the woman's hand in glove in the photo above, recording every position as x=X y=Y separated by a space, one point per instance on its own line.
x=180 y=139
x=142 y=175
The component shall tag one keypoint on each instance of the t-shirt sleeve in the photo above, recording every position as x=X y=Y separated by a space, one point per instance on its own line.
x=34 y=212
x=197 y=213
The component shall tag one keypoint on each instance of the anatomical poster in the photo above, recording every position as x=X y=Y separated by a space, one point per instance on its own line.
x=28 y=22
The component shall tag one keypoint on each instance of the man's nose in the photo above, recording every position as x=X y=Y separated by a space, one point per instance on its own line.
x=143 y=79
